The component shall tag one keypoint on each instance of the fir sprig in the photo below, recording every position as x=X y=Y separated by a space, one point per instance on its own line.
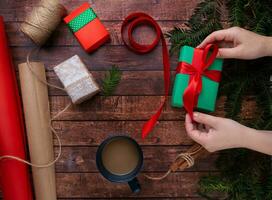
x=111 y=80
x=237 y=12
x=205 y=20
x=214 y=183
x=268 y=187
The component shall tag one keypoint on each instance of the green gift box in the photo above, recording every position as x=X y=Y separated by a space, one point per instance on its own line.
x=207 y=97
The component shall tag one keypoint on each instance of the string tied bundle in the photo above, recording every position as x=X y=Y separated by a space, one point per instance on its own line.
x=132 y=21
x=43 y=20
x=182 y=161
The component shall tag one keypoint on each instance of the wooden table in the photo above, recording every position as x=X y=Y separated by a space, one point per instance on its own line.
x=82 y=128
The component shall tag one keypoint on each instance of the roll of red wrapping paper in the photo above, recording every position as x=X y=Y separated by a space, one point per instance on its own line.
x=14 y=176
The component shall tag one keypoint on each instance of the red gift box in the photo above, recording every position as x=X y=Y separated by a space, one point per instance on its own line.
x=87 y=28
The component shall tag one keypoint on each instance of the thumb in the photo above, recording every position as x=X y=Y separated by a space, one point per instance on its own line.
x=195 y=134
x=206 y=119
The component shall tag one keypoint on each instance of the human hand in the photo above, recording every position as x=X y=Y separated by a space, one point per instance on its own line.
x=239 y=43
x=215 y=133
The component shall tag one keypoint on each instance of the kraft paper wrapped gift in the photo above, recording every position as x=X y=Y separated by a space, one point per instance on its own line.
x=77 y=80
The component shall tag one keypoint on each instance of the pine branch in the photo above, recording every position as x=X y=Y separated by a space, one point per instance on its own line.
x=255 y=190
x=268 y=187
x=205 y=11
x=263 y=24
x=264 y=103
x=213 y=184
x=236 y=12
x=204 y=21
x=111 y=80
x=180 y=37
x=234 y=100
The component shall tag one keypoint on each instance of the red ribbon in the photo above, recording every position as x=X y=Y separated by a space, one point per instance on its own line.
x=199 y=67
x=132 y=21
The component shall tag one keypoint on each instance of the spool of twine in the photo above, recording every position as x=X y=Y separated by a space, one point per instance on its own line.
x=43 y=20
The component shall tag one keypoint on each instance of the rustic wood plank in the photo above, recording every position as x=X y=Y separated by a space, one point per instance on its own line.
x=102 y=59
x=158 y=159
x=142 y=82
x=151 y=198
x=154 y=198
x=92 y=133
x=118 y=108
x=92 y=185
x=115 y=10
x=130 y=108
x=138 y=198
x=63 y=37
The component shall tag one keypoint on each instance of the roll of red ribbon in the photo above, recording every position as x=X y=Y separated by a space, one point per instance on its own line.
x=14 y=177
x=131 y=22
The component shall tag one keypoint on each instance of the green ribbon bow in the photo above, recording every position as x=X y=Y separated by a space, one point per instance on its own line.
x=81 y=20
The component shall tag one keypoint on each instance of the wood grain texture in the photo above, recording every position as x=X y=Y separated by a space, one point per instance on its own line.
x=78 y=185
x=138 y=198
x=100 y=60
x=82 y=159
x=116 y=10
x=92 y=133
x=132 y=83
x=132 y=108
x=156 y=198
x=62 y=36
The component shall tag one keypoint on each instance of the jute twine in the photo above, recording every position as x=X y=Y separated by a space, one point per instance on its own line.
x=43 y=20
x=182 y=161
x=51 y=127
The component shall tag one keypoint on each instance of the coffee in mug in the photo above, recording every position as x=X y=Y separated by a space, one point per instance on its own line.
x=120 y=156
x=120 y=159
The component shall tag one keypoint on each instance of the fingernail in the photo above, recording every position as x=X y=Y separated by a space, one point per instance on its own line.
x=196 y=114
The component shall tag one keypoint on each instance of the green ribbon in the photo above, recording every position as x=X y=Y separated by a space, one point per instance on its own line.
x=81 y=20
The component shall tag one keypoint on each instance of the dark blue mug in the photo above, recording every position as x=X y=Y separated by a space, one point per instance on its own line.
x=120 y=159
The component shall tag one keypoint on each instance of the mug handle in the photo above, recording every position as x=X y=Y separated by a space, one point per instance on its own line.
x=134 y=185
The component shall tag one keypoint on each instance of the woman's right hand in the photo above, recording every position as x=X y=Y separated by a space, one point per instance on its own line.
x=239 y=43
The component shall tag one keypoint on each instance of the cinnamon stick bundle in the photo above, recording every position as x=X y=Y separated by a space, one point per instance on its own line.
x=181 y=164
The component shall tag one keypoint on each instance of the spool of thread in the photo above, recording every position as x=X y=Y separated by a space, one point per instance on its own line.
x=43 y=20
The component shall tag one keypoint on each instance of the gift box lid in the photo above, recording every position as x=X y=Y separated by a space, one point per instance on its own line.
x=80 y=17
x=76 y=12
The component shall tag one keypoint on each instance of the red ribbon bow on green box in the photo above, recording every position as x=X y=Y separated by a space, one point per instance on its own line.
x=202 y=59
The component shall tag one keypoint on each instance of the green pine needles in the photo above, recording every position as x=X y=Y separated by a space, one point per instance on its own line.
x=205 y=20
x=244 y=174
x=111 y=80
